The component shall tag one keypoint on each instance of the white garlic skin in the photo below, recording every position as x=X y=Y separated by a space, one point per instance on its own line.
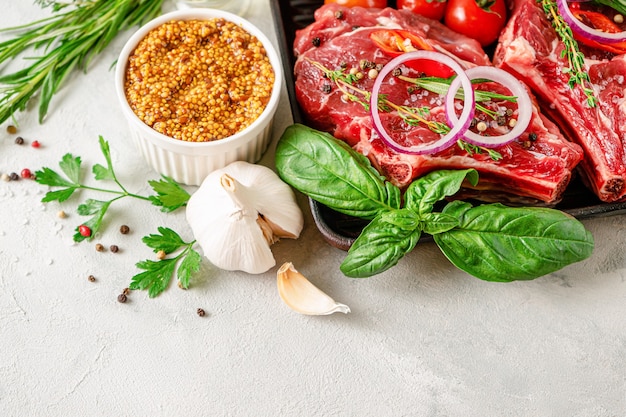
x=302 y=296
x=238 y=212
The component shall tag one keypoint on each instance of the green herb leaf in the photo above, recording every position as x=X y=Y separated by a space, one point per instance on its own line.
x=188 y=266
x=381 y=244
x=170 y=195
x=100 y=172
x=332 y=173
x=58 y=195
x=156 y=276
x=166 y=240
x=70 y=165
x=435 y=223
x=92 y=207
x=498 y=243
x=424 y=192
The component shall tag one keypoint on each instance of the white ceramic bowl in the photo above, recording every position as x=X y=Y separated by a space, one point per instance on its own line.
x=190 y=162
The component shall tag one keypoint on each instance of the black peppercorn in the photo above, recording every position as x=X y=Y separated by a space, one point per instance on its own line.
x=114 y=248
x=316 y=41
x=13 y=176
x=122 y=298
x=19 y=140
x=201 y=312
x=91 y=278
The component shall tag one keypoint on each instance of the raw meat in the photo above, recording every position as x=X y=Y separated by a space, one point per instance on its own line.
x=537 y=167
x=530 y=49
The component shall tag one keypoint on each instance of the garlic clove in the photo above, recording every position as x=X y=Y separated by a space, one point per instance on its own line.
x=304 y=297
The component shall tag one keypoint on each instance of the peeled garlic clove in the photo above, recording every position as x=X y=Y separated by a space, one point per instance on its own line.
x=302 y=296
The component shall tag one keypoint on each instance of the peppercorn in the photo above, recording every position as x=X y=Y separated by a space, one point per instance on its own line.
x=316 y=41
x=532 y=136
x=84 y=230
x=61 y=214
x=5 y=177
x=19 y=140
x=35 y=144
x=91 y=278
x=124 y=229
x=122 y=298
x=161 y=254
x=327 y=88
x=201 y=312
x=26 y=173
x=339 y=15
x=13 y=176
x=114 y=248
x=99 y=247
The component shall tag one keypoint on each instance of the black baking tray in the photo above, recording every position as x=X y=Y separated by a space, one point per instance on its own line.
x=340 y=230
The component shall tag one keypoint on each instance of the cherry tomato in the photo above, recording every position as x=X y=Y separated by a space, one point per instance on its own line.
x=361 y=3
x=482 y=20
x=433 y=9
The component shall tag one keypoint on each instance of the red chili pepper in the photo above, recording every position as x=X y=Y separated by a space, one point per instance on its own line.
x=396 y=42
x=600 y=22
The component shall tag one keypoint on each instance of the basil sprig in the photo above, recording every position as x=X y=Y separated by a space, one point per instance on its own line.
x=491 y=242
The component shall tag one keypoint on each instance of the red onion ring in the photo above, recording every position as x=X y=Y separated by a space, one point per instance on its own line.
x=457 y=129
x=585 y=31
x=524 y=105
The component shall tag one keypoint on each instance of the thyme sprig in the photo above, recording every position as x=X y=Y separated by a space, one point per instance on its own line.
x=68 y=40
x=169 y=196
x=577 y=73
x=413 y=116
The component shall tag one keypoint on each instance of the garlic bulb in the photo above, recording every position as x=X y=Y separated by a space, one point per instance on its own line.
x=238 y=212
x=304 y=297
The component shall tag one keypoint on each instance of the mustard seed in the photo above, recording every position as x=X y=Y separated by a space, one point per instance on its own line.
x=11 y=129
x=199 y=81
x=99 y=247
x=61 y=214
x=161 y=255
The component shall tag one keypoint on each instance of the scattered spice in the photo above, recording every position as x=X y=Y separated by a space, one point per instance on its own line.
x=122 y=298
x=19 y=140
x=35 y=144
x=114 y=248
x=316 y=42
x=161 y=254
x=13 y=176
x=99 y=247
x=26 y=173
x=91 y=278
x=124 y=229
x=61 y=214
x=5 y=177
x=84 y=230
x=126 y=291
x=201 y=312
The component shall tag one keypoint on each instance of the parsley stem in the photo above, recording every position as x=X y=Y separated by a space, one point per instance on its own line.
x=121 y=194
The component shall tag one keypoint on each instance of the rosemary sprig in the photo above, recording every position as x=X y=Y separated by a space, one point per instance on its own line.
x=577 y=72
x=69 y=39
x=169 y=195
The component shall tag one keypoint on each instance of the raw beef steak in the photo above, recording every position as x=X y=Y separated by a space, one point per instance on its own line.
x=535 y=168
x=530 y=49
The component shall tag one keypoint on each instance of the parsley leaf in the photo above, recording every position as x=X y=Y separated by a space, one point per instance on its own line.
x=157 y=275
x=170 y=195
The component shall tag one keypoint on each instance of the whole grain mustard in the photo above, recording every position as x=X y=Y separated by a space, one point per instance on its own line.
x=199 y=80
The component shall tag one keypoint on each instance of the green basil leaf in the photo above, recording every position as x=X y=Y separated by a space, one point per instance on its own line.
x=381 y=244
x=498 y=243
x=435 y=223
x=330 y=172
x=424 y=192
